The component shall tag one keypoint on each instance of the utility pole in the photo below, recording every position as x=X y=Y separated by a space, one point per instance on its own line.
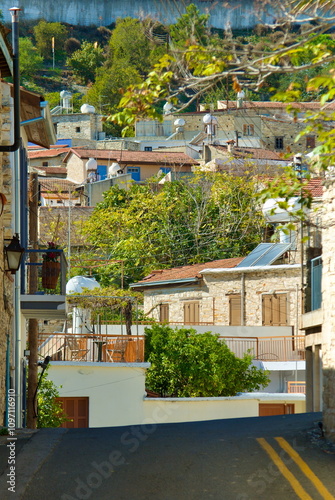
x=33 y=322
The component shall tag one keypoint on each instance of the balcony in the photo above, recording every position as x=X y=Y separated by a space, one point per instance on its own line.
x=62 y=346
x=43 y=285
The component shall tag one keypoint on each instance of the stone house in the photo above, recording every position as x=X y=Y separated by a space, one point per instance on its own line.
x=252 y=124
x=262 y=289
x=48 y=162
x=141 y=165
x=318 y=319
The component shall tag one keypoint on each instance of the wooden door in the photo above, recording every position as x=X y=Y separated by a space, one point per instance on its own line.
x=270 y=409
x=77 y=411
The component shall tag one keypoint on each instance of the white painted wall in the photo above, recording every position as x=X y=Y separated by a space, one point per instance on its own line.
x=117 y=397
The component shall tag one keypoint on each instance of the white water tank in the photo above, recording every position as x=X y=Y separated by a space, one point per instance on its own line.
x=87 y=108
x=113 y=169
x=77 y=283
x=91 y=164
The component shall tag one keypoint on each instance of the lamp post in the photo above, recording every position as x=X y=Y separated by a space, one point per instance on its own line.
x=13 y=254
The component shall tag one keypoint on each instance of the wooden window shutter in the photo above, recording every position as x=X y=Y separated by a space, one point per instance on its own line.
x=164 y=313
x=274 y=310
x=235 y=310
x=266 y=310
x=191 y=312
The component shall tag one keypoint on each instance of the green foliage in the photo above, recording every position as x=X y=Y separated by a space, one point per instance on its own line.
x=50 y=411
x=210 y=217
x=191 y=28
x=85 y=61
x=53 y=99
x=129 y=44
x=187 y=364
x=44 y=32
x=104 y=94
x=30 y=60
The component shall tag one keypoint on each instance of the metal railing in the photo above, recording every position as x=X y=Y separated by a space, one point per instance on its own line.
x=62 y=346
x=40 y=275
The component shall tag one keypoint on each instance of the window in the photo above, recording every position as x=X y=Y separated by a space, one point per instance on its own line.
x=279 y=142
x=135 y=173
x=191 y=313
x=77 y=129
x=147 y=148
x=274 y=309
x=235 y=310
x=248 y=129
x=310 y=141
x=164 y=313
x=45 y=164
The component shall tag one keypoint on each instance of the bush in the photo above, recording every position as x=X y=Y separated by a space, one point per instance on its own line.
x=187 y=364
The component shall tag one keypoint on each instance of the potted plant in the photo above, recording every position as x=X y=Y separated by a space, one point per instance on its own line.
x=50 y=266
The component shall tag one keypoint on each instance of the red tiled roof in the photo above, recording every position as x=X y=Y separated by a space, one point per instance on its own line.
x=56 y=185
x=191 y=271
x=133 y=156
x=315 y=186
x=53 y=170
x=256 y=153
x=47 y=153
x=277 y=105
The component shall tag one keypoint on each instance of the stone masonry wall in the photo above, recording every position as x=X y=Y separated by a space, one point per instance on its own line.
x=6 y=281
x=213 y=295
x=328 y=301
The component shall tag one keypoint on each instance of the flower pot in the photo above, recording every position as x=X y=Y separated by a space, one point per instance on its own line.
x=50 y=274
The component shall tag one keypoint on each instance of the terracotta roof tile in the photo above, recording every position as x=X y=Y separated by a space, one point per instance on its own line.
x=119 y=156
x=56 y=185
x=47 y=153
x=315 y=186
x=190 y=271
x=256 y=153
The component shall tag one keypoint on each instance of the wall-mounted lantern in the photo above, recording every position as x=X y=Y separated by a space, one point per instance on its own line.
x=13 y=255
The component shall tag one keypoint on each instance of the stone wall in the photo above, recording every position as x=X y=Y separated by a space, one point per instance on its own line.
x=6 y=282
x=328 y=300
x=214 y=291
x=78 y=125
x=239 y=15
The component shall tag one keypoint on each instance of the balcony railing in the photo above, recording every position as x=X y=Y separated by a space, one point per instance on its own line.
x=39 y=277
x=130 y=348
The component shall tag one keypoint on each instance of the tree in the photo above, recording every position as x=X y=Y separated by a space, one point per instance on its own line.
x=50 y=412
x=210 y=217
x=30 y=60
x=187 y=364
x=129 y=44
x=199 y=68
x=85 y=61
x=191 y=28
x=44 y=34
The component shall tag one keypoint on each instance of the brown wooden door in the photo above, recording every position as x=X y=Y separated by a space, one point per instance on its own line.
x=270 y=409
x=77 y=410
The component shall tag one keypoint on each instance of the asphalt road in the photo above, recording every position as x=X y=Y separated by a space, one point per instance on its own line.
x=235 y=459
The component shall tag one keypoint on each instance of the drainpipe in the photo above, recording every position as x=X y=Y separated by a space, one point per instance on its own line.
x=242 y=299
x=16 y=83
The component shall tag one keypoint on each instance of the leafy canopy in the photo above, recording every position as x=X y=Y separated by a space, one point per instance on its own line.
x=187 y=364
x=85 y=61
x=209 y=217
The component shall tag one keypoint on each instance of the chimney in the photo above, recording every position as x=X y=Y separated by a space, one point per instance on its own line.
x=231 y=146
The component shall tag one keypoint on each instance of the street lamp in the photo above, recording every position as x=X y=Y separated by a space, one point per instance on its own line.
x=13 y=254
